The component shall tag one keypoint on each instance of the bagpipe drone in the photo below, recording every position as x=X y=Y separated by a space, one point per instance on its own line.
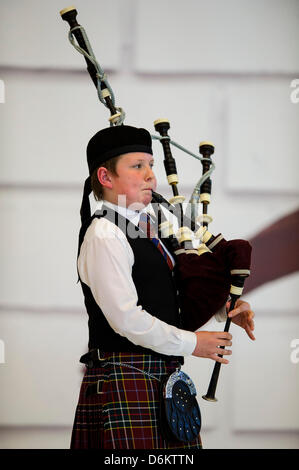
x=214 y=271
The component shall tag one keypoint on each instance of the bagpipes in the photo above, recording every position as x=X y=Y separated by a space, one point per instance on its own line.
x=206 y=275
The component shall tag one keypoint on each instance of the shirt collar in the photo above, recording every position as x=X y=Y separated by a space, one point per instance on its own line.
x=132 y=216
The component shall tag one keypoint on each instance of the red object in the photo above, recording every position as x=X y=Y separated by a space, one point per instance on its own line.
x=147 y=227
x=275 y=251
x=204 y=281
x=125 y=412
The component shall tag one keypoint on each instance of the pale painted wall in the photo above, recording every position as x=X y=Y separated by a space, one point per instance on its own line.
x=219 y=71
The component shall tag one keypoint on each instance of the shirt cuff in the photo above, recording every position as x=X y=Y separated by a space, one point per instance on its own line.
x=221 y=315
x=189 y=341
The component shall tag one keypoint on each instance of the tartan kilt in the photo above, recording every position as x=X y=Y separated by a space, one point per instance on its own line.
x=125 y=412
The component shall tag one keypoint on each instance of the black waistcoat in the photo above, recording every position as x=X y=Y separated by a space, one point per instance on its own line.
x=154 y=283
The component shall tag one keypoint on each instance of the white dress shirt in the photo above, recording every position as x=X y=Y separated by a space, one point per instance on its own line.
x=105 y=265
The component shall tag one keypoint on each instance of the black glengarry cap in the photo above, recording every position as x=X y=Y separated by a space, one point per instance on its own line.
x=114 y=141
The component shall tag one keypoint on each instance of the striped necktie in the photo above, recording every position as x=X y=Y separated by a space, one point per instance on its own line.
x=147 y=227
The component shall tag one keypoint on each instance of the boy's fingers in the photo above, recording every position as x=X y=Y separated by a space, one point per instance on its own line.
x=223 y=352
x=249 y=333
x=224 y=335
x=217 y=358
x=234 y=312
x=224 y=343
x=239 y=310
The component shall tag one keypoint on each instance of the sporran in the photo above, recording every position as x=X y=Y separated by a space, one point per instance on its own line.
x=179 y=411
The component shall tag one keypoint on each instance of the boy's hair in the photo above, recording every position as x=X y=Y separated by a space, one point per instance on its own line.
x=96 y=186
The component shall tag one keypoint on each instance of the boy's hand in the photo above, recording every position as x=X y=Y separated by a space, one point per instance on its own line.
x=208 y=343
x=242 y=315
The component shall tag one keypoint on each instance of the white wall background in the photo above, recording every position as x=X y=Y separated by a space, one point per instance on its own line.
x=219 y=71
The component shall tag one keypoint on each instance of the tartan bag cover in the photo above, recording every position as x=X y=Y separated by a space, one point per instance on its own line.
x=125 y=411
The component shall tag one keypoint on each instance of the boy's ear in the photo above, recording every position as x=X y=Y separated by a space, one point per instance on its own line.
x=104 y=177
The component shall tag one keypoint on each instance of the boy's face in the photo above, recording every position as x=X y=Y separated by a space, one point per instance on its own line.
x=135 y=179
